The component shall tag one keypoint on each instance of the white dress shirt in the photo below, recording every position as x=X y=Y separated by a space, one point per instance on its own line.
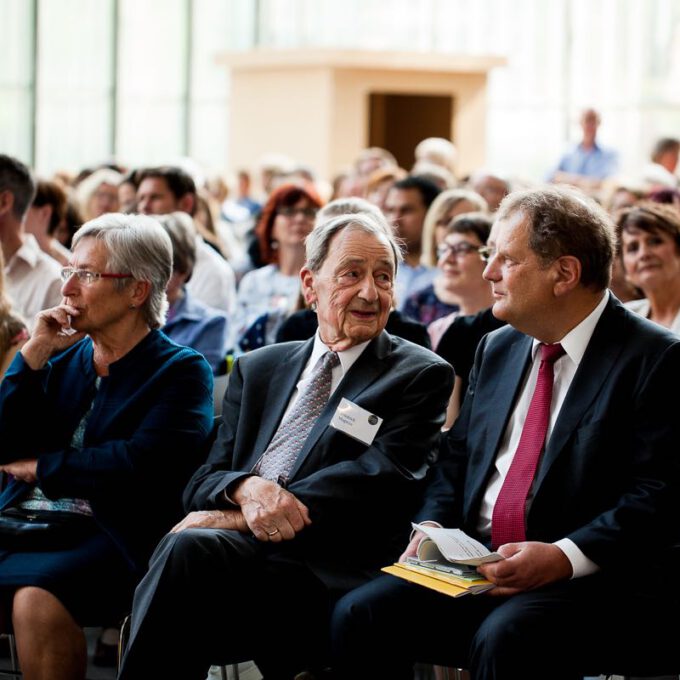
x=33 y=280
x=575 y=343
x=347 y=359
x=642 y=308
x=212 y=281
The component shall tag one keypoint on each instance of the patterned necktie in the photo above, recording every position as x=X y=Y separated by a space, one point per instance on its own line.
x=277 y=461
x=508 y=518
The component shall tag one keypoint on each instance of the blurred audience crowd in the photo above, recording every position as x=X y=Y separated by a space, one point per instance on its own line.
x=239 y=242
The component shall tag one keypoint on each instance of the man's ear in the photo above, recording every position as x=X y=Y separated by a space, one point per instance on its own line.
x=567 y=273
x=6 y=202
x=307 y=283
x=187 y=203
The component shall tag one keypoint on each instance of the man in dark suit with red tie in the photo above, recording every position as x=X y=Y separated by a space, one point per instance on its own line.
x=318 y=465
x=563 y=459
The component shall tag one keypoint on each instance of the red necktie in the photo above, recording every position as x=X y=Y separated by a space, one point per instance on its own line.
x=507 y=521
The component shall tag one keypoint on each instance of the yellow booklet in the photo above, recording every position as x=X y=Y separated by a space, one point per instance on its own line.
x=448 y=584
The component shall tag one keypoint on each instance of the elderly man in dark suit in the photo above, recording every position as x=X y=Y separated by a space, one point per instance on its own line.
x=564 y=460
x=318 y=464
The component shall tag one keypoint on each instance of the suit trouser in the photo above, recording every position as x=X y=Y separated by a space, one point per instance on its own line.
x=219 y=597
x=563 y=631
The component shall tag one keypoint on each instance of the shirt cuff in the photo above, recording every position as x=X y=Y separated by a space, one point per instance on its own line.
x=230 y=486
x=580 y=564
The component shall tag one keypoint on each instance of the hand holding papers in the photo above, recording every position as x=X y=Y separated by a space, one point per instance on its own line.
x=453 y=545
x=446 y=562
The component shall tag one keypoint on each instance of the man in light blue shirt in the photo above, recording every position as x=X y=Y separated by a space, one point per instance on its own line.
x=587 y=163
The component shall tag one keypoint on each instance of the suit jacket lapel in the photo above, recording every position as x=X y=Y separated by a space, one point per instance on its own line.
x=367 y=368
x=500 y=401
x=600 y=357
x=279 y=391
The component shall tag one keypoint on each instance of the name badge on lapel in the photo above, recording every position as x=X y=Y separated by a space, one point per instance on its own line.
x=355 y=421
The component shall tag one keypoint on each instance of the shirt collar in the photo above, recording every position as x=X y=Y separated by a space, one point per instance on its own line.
x=575 y=342
x=347 y=357
x=29 y=251
x=595 y=148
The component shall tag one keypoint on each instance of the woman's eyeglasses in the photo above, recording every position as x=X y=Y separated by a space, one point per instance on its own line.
x=87 y=277
x=289 y=211
x=459 y=249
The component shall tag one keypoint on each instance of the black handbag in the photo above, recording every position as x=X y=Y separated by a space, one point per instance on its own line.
x=21 y=528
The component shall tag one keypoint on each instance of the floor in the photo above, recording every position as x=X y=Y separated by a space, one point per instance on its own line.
x=247 y=671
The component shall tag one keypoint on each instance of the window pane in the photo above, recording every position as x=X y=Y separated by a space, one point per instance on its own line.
x=152 y=67
x=74 y=84
x=16 y=27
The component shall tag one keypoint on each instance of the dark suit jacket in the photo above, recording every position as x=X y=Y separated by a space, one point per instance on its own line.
x=360 y=497
x=609 y=474
x=143 y=440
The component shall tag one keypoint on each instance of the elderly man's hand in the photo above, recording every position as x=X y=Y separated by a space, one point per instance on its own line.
x=526 y=566
x=212 y=519
x=272 y=513
x=25 y=470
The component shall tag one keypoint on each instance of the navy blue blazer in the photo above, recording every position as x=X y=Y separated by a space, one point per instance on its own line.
x=143 y=440
x=360 y=497
x=609 y=477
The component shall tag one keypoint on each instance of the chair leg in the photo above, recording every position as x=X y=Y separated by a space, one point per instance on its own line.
x=13 y=653
x=123 y=640
x=13 y=671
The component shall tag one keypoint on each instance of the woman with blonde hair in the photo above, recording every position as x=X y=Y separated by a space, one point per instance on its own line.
x=97 y=194
x=449 y=204
x=13 y=331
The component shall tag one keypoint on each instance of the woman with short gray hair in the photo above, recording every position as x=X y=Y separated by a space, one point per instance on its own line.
x=121 y=415
x=135 y=244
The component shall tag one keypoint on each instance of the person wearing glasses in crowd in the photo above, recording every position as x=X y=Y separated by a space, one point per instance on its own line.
x=455 y=337
x=461 y=265
x=287 y=218
x=121 y=414
x=436 y=300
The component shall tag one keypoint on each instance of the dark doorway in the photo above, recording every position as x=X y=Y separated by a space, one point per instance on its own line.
x=397 y=122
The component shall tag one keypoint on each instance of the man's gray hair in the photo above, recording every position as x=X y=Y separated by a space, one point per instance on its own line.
x=347 y=205
x=318 y=241
x=136 y=245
